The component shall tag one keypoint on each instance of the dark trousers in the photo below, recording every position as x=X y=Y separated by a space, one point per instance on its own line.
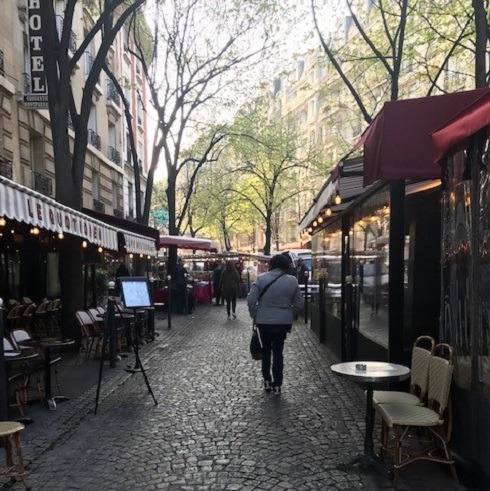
x=230 y=302
x=217 y=294
x=272 y=337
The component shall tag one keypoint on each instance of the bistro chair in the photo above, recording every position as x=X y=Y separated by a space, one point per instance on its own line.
x=90 y=334
x=14 y=316
x=21 y=339
x=436 y=419
x=419 y=377
x=14 y=459
x=53 y=312
x=40 y=319
x=27 y=301
x=26 y=317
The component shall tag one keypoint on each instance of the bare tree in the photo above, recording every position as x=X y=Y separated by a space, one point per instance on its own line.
x=69 y=165
x=198 y=48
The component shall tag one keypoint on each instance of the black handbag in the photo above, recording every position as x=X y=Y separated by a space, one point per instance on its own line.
x=255 y=344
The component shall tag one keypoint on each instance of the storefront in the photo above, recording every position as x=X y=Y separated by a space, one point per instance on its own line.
x=31 y=228
x=412 y=250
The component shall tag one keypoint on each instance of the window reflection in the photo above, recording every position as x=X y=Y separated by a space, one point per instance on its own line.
x=369 y=267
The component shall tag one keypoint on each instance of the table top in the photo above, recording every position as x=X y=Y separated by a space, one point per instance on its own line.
x=55 y=342
x=376 y=371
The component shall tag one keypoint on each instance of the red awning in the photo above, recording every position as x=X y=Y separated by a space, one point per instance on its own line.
x=187 y=242
x=408 y=138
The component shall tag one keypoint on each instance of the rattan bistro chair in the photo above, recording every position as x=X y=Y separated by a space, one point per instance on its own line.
x=419 y=377
x=436 y=419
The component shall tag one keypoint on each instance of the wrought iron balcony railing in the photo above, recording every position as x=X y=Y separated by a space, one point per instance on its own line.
x=112 y=94
x=94 y=139
x=118 y=212
x=42 y=184
x=2 y=69
x=99 y=206
x=114 y=155
x=6 y=168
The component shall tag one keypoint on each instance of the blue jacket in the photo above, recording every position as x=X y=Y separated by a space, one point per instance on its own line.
x=277 y=304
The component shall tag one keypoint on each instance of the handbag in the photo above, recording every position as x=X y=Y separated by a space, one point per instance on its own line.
x=255 y=344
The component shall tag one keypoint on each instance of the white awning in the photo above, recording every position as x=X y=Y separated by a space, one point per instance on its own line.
x=20 y=203
x=138 y=244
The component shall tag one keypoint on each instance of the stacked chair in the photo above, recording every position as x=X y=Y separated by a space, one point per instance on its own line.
x=421 y=425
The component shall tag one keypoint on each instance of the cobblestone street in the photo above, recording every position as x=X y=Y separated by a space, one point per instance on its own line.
x=214 y=427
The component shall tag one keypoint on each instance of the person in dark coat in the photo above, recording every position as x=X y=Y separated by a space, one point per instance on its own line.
x=217 y=286
x=302 y=272
x=229 y=287
x=180 y=282
x=121 y=272
x=291 y=271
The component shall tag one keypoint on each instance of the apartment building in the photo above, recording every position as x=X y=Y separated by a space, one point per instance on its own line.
x=26 y=153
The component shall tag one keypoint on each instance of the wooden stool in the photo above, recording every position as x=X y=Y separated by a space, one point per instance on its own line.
x=10 y=433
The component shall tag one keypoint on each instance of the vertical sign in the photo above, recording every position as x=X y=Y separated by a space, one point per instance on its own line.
x=36 y=96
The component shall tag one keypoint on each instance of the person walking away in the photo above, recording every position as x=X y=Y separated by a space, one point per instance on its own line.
x=180 y=280
x=291 y=270
x=229 y=282
x=273 y=313
x=217 y=286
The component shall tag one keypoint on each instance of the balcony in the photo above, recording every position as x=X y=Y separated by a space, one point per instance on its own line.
x=2 y=69
x=6 y=168
x=112 y=94
x=99 y=206
x=114 y=156
x=94 y=139
x=42 y=184
x=118 y=212
x=130 y=215
x=129 y=157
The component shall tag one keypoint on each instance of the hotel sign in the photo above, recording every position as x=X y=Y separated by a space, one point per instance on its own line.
x=36 y=96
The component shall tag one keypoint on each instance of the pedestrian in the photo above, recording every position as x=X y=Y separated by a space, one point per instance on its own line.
x=180 y=281
x=302 y=272
x=229 y=287
x=273 y=300
x=291 y=271
x=121 y=272
x=216 y=285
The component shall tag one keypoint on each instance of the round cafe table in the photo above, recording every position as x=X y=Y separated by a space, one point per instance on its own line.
x=369 y=373
x=47 y=345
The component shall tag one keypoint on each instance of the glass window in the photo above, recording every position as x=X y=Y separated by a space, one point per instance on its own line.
x=327 y=261
x=369 y=266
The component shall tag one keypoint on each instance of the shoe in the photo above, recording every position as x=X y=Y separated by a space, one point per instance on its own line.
x=228 y=317
x=276 y=390
x=234 y=316
x=267 y=385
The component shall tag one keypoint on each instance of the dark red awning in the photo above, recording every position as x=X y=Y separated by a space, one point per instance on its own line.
x=183 y=242
x=408 y=138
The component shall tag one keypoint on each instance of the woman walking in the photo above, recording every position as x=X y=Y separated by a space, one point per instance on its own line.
x=273 y=300
x=229 y=282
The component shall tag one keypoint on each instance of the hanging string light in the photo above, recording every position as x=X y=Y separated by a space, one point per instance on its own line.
x=61 y=235
x=337 y=200
x=3 y=222
x=328 y=212
x=84 y=244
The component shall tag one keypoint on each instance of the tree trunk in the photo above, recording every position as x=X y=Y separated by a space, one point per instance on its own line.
x=268 y=234
x=71 y=284
x=480 y=43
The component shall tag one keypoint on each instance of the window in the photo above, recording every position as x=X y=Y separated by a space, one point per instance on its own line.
x=37 y=153
x=130 y=198
x=92 y=119
x=95 y=185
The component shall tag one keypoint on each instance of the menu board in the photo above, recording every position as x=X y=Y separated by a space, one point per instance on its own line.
x=135 y=292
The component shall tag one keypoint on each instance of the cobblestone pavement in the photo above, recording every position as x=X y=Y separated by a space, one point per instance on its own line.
x=214 y=427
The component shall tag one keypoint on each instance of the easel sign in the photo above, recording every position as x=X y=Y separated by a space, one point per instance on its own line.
x=135 y=292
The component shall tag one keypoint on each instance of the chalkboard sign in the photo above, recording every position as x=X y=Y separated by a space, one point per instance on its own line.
x=135 y=292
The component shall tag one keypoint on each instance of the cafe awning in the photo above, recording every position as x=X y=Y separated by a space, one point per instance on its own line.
x=408 y=138
x=183 y=242
x=23 y=204
x=136 y=237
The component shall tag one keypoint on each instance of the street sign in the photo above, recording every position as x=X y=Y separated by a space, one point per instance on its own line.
x=160 y=217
